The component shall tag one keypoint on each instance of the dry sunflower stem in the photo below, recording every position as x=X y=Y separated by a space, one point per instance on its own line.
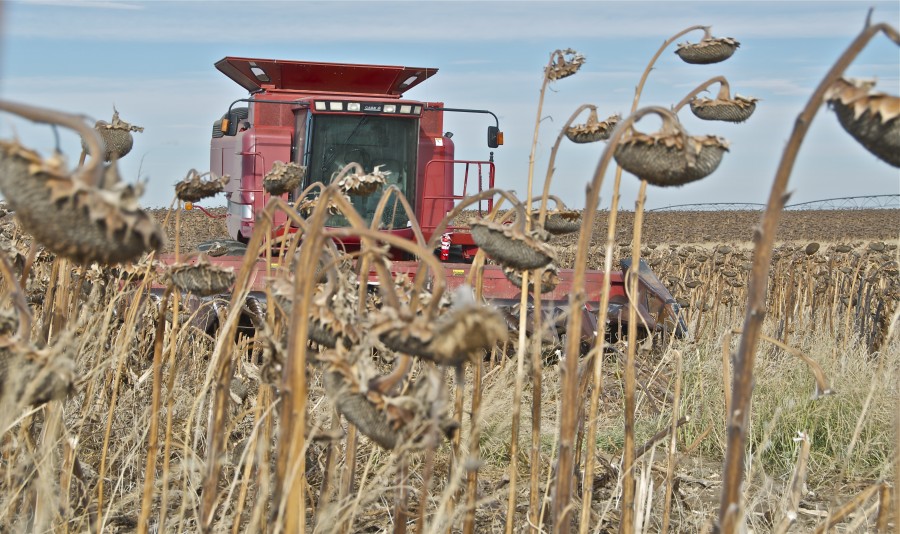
x=284 y=178
x=65 y=211
x=563 y=64
x=670 y=156
x=194 y=188
x=869 y=116
x=116 y=136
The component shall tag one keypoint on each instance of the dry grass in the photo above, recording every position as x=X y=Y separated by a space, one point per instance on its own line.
x=111 y=346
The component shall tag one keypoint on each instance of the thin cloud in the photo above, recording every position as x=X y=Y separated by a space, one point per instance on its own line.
x=460 y=21
x=87 y=4
x=778 y=86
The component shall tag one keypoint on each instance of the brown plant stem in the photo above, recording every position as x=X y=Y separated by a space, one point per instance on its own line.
x=517 y=406
x=607 y=270
x=836 y=516
x=798 y=480
x=291 y=462
x=170 y=403
x=626 y=524
x=742 y=389
x=570 y=391
x=550 y=165
x=153 y=438
x=222 y=362
x=130 y=318
x=476 y=272
x=537 y=126
x=595 y=357
x=534 y=501
x=401 y=502
x=673 y=431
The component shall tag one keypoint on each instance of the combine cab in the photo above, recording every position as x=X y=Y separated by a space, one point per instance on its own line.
x=323 y=116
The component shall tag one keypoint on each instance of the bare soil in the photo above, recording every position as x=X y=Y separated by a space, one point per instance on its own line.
x=678 y=227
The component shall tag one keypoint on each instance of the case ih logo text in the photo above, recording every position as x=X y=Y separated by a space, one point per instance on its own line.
x=374 y=108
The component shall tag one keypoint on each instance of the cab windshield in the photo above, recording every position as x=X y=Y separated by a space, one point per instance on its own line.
x=387 y=142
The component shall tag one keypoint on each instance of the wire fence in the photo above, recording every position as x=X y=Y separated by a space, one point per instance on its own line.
x=868 y=202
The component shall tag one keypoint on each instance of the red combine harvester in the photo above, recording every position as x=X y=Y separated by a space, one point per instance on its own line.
x=325 y=115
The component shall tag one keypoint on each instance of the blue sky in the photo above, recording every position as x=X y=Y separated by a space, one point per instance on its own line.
x=154 y=62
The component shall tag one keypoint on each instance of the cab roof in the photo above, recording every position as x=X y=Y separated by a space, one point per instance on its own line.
x=256 y=74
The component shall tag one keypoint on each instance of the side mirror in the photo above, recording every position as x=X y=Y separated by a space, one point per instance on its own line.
x=231 y=121
x=494 y=137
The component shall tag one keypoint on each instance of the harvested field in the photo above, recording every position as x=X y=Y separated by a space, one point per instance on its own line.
x=663 y=228
x=833 y=305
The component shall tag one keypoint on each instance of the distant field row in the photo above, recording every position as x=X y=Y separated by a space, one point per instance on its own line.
x=669 y=227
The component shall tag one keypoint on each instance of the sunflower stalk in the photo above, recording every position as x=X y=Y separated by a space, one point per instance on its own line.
x=570 y=391
x=730 y=505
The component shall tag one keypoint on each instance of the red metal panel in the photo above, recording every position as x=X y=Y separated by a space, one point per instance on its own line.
x=316 y=77
x=261 y=148
x=497 y=286
x=267 y=114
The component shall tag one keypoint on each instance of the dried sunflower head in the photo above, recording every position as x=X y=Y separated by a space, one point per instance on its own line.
x=593 y=130
x=306 y=206
x=563 y=64
x=201 y=277
x=670 y=156
x=193 y=187
x=449 y=340
x=468 y=327
x=71 y=218
x=870 y=117
x=562 y=221
x=9 y=321
x=331 y=313
x=363 y=184
x=30 y=376
x=708 y=50
x=510 y=246
x=724 y=108
x=284 y=178
x=116 y=136
x=362 y=408
x=391 y=421
x=549 y=278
